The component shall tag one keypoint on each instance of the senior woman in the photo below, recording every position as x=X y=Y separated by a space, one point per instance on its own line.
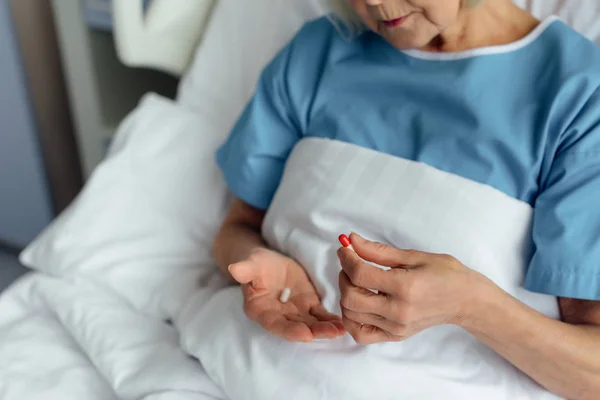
x=477 y=88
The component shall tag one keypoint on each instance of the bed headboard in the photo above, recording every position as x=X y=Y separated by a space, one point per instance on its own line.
x=162 y=36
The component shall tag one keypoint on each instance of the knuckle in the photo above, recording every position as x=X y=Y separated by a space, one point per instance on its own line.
x=411 y=288
x=352 y=328
x=350 y=300
x=361 y=338
x=408 y=315
x=405 y=315
x=380 y=247
x=348 y=314
x=358 y=274
x=448 y=260
x=344 y=293
x=345 y=289
x=399 y=330
x=412 y=256
x=399 y=338
x=342 y=281
x=400 y=316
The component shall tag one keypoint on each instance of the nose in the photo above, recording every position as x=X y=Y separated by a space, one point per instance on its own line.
x=374 y=2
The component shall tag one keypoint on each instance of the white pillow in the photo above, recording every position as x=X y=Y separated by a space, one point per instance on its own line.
x=240 y=39
x=159 y=194
x=582 y=15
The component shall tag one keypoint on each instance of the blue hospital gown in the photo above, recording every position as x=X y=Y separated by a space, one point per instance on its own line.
x=523 y=118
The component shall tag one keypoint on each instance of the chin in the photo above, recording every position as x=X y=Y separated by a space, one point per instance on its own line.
x=409 y=44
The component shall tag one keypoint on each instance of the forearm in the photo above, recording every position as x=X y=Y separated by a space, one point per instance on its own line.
x=234 y=243
x=563 y=358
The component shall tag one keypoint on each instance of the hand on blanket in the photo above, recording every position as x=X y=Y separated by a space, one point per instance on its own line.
x=263 y=277
x=421 y=290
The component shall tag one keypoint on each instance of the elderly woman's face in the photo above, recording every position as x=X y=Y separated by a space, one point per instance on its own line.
x=408 y=24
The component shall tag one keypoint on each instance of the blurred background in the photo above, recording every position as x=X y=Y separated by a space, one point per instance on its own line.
x=63 y=92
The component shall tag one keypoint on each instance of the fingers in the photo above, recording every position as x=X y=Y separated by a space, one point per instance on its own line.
x=387 y=256
x=362 y=274
x=375 y=320
x=292 y=323
x=368 y=334
x=358 y=299
x=293 y=331
x=322 y=325
x=320 y=329
x=300 y=328
x=321 y=314
x=244 y=272
x=326 y=330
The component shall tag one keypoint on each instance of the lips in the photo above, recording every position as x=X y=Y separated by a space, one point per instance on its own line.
x=392 y=23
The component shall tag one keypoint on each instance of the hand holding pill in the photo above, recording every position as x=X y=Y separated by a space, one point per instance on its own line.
x=279 y=295
x=418 y=291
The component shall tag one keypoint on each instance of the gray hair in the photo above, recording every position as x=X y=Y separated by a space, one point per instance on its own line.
x=346 y=15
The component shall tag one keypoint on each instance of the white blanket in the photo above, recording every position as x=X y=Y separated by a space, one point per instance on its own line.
x=331 y=187
x=127 y=331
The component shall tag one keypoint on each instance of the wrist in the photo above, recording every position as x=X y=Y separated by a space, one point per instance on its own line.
x=484 y=299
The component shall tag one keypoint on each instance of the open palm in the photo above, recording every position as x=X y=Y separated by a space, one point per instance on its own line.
x=264 y=275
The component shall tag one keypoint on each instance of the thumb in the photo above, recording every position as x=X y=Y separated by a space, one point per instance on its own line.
x=243 y=272
x=385 y=255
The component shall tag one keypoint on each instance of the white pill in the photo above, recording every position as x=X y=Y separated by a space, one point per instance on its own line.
x=285 y=295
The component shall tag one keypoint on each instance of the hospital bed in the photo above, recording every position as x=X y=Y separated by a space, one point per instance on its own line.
x=100 y=317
